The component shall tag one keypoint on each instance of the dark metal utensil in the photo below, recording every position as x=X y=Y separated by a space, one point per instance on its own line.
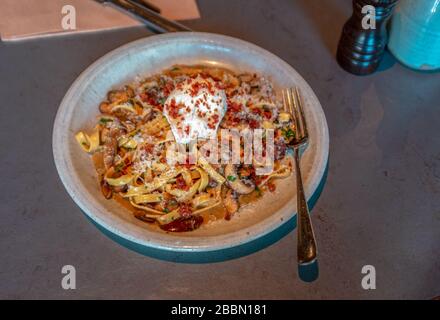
x=154 y=21
x=146 y=4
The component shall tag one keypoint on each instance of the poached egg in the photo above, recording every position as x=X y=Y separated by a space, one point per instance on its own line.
x=194 y=109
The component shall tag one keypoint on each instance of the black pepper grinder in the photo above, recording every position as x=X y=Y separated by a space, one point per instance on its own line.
x=361 y=47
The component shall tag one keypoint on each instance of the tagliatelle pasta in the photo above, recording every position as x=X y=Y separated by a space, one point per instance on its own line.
x=135 y=137
x=88 y=143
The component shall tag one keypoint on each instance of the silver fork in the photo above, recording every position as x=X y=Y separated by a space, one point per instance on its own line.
x=306 y=239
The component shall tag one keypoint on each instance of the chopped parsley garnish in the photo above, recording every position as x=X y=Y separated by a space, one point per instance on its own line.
x=161 y=100
x=105 y=120
x=166 y=210
x=288 y=133
x=258 y=191
x=119 y=167
x=232 y=178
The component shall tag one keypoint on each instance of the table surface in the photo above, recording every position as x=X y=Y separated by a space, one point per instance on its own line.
x=380 y=206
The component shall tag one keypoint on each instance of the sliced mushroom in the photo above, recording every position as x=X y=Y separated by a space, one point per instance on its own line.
x=179 y=70
x=120 y=188
x=118 y=95
x=142 y=215
x=246 y=77
x=106 y=189
x=105 y=107
x=234 y=181
x=130 y=91
x=110 y=144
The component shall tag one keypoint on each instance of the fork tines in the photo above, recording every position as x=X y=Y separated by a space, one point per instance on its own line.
x=293 y=105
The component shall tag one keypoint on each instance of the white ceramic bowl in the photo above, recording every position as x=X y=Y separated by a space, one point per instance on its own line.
x=151 y=55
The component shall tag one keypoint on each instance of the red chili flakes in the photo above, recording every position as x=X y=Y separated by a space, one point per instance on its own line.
x=201 y=114
x=169 y=86
x=253 y=124
x=145 y=97
x=149 y=148
x=234 y=107
x=209 y=87
x=181 y=184
x=195 y=87
x=235 y=121
x=267 y=114
x=220 y=85
x=258 y=179
x=213 y=120
x=271 y=186
x=253 y=176
x=187 y=129
x=256 y=111
x=173 y=108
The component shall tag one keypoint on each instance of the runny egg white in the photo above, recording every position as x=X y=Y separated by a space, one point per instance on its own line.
x=195 y=109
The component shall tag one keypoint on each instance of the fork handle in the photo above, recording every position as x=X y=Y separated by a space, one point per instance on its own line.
x=306 y=238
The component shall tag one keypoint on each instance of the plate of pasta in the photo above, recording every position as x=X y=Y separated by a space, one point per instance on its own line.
x=178 y=143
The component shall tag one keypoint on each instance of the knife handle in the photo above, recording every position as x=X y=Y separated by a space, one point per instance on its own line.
x=154 y=21
x=148 y=5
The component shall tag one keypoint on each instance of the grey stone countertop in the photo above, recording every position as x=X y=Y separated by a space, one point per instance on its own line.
x=380 y=205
